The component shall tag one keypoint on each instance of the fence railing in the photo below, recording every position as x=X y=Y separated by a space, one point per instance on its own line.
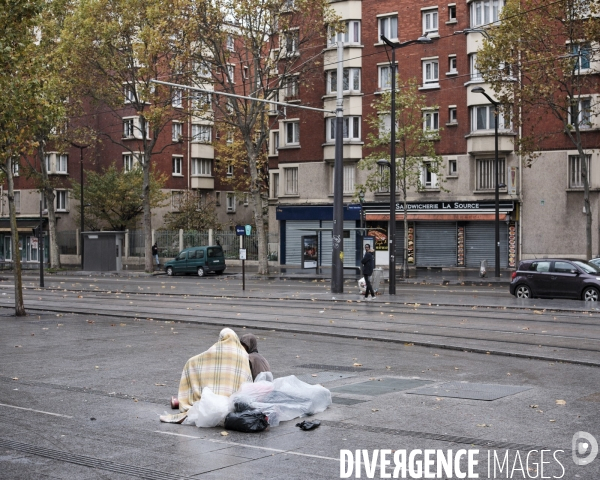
x=171 y=242
x=67 y=242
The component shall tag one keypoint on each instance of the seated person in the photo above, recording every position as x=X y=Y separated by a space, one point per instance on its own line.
x=222 y=368
x=258 y=363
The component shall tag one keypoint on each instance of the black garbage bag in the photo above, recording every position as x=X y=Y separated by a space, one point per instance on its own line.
x=308 y=425
x=248 y=421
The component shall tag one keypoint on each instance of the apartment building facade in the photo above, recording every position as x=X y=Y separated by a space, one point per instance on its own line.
x=450 y=224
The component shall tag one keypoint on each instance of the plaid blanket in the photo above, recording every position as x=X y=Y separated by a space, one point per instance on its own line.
x=222 y=368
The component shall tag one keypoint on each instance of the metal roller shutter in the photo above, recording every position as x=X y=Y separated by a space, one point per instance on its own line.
x=435 y=244
x=399 y=243
x=293 y=239
x=326 y=247
x=479 y=244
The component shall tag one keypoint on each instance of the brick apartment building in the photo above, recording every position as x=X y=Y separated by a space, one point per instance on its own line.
x=540 y=207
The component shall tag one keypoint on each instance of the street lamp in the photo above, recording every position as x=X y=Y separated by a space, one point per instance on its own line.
x=392 y=234
x=496 y=184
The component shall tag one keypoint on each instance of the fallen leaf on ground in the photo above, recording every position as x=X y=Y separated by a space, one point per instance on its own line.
x=224 y=434
x=357 y=365
x=561 y=402
x=374 y=409
x=160 y=384
x=483 y=425
x=538 y=312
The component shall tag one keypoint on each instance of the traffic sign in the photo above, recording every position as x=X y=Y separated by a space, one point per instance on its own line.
x=240 y=230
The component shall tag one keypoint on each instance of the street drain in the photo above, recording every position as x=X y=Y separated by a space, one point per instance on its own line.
x=337 y=368
x=346 y=401
x=380 y=386
x=469 y=391
x=90 y=462
x=323 y=377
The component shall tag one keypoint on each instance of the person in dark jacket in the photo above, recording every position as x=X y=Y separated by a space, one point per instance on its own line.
x=258 y=363
x=368 y=263
x=155 y=254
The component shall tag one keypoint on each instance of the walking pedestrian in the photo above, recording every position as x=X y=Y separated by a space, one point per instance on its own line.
x=155 y=254
x=368 y=265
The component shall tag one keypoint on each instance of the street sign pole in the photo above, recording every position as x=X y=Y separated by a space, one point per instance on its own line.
x=41 y=247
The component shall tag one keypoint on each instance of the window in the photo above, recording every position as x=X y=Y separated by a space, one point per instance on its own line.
x=428 y=177
x=61 y=200
x=474 y=71
x=201 y=100
x=484 y=12
x=201 y=166
x=273 y=107
x=230 y=43
x=129 y=91
x=275 y=185
x=17 y=201
x=384 y=184
x=61 y=163
x=351 y=80
x=452 y=65
x=177 y=132
x=230 y=170
x=291 y=180
x=230 y=73
x=351 y=128
x=246 y=199
x=385 y=125
x=231 y=202
x=177 y=100
x=348 y=179
x=292 y=133
x=201 y=133
x=576 y=170
x=288 y=5
x=127 y=162
x=451 y=13
x=176 y=198
x=486 y=174
x=177 y=166
x=291 y=43
x=540 y=267
x=430 y=22
x=291 y=87
x=452 y=168
x=452 y=115
x=15 y=167
x=274 y=143
x=385 y=77
x=431 y=121
x=351 y=35
x=132 y=128
x=430 y=73
x=581 y=113
x=128 y=128
x=388 y=27
x=47 y=162
x=218 y=199
x=484 y=118
x=202 y=69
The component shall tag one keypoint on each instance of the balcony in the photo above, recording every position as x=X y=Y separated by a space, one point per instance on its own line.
x=483 y=142
x=204 y=183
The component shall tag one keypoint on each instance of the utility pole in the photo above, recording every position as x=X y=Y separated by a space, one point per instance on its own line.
x=337 y=259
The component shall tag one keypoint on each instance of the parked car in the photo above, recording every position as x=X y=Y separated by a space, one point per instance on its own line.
x=595 y=261
x=200 y=260
x=556 y=278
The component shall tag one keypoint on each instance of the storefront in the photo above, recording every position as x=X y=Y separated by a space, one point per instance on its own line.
x=298 y=221
x=28 y=243
x=446 y=234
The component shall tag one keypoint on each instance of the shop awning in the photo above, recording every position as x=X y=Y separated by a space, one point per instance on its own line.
x=449 y=217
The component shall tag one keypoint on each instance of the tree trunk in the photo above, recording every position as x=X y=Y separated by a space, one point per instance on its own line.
x=586 y=202
x=48 y=193
x=261 y=216
x=16 y=256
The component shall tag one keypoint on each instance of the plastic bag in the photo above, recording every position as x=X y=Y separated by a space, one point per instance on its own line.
x=362 y=285
x=248 y=421
x=210 y=411
x=286 y=399
x=306 y=426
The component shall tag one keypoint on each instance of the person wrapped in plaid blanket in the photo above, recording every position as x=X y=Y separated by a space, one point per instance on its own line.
x=222 y=368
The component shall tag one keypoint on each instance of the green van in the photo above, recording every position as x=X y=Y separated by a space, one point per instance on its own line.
x=200 y=260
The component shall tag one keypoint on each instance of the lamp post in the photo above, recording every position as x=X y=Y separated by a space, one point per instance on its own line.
x=81 y=213
x=496 y=184
x=392 y=232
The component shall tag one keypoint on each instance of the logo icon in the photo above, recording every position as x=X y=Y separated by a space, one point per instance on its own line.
x=585 y=448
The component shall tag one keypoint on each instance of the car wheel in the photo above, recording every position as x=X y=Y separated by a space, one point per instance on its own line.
x=590 y=294
x=170 y=271
x=523 y=291
x=200 y=272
